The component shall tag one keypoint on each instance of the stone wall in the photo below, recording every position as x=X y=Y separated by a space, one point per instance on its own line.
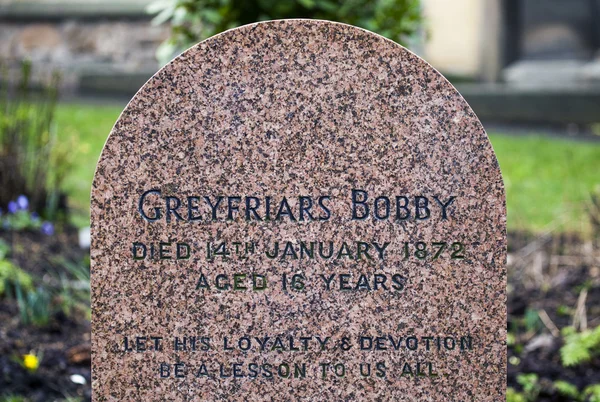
x=86 y=48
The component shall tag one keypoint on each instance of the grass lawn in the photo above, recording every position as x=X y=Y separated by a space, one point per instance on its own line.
x=548 y=180
x=90 y=125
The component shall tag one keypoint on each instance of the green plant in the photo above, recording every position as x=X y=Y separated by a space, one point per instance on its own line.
x=12 y=398
x=513 y=396
x=531 y=320
x=531 y=386
x=194 y=20
x=74 y=295
x=564 y=311
x=13 y=277
x=4 y=249
x=594 y=214
x=579 y=347
x=20 y=220
x=34 y=306
x=591 y=393
x=511 y=339
x=567 y=389
x=81 y=272
x=31 y=161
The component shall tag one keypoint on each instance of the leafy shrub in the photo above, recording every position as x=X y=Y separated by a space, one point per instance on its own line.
x=579 y=347
x=32 y=163
x=194 y=20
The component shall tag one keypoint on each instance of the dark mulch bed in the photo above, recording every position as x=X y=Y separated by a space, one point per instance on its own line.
x=536 y=350
x=65 y=345
x=39 y=254
x=65 y=342
x=545 y=360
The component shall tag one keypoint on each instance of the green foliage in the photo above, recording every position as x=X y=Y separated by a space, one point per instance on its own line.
x=4 y=249
x=564 y=311
x=531 y=385
x=32 y=163
x=513 y=396
x=591 y=393
x=194 y=20
x=74 y=295
x=34 y=306
x=69 y=291
x=579 y=347
x=21 y=220
x=12 y=398
x=511 y=339
x=531 y=320
x=13 y=277
x=81 y=272
x=567 y=389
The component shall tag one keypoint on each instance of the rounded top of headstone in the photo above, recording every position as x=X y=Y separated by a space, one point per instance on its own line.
x=299 y=151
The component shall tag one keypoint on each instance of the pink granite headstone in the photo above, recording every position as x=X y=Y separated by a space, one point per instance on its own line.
x=298 y=210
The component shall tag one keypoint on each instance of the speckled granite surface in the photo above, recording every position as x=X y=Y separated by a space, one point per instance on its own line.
x=294 y=124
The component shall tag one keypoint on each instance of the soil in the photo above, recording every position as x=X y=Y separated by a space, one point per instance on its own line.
x=545 y=361
x=64 y=344
x=58 y=342
x=554 y=289
x=557 y=292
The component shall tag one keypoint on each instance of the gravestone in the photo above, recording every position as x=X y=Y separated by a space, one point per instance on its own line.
x=298 y=210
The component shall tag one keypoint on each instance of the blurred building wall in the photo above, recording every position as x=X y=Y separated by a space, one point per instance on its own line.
x=98 y=46
x=454 y=35
x=108 y=38
x=513 y=60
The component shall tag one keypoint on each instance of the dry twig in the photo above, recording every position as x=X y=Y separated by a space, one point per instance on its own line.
x=549 y=323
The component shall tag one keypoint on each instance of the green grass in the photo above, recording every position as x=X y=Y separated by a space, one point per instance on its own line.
x=548 y=180
x=90 y=125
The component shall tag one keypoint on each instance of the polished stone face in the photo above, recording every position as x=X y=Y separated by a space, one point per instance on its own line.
x=298 y=210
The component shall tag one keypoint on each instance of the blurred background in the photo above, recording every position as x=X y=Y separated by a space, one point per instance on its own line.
x=529 y=68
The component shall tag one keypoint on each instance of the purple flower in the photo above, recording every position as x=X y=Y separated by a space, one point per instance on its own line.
x=22 y=202
x=35 y=216
x=47 y=228
x=12 y=207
